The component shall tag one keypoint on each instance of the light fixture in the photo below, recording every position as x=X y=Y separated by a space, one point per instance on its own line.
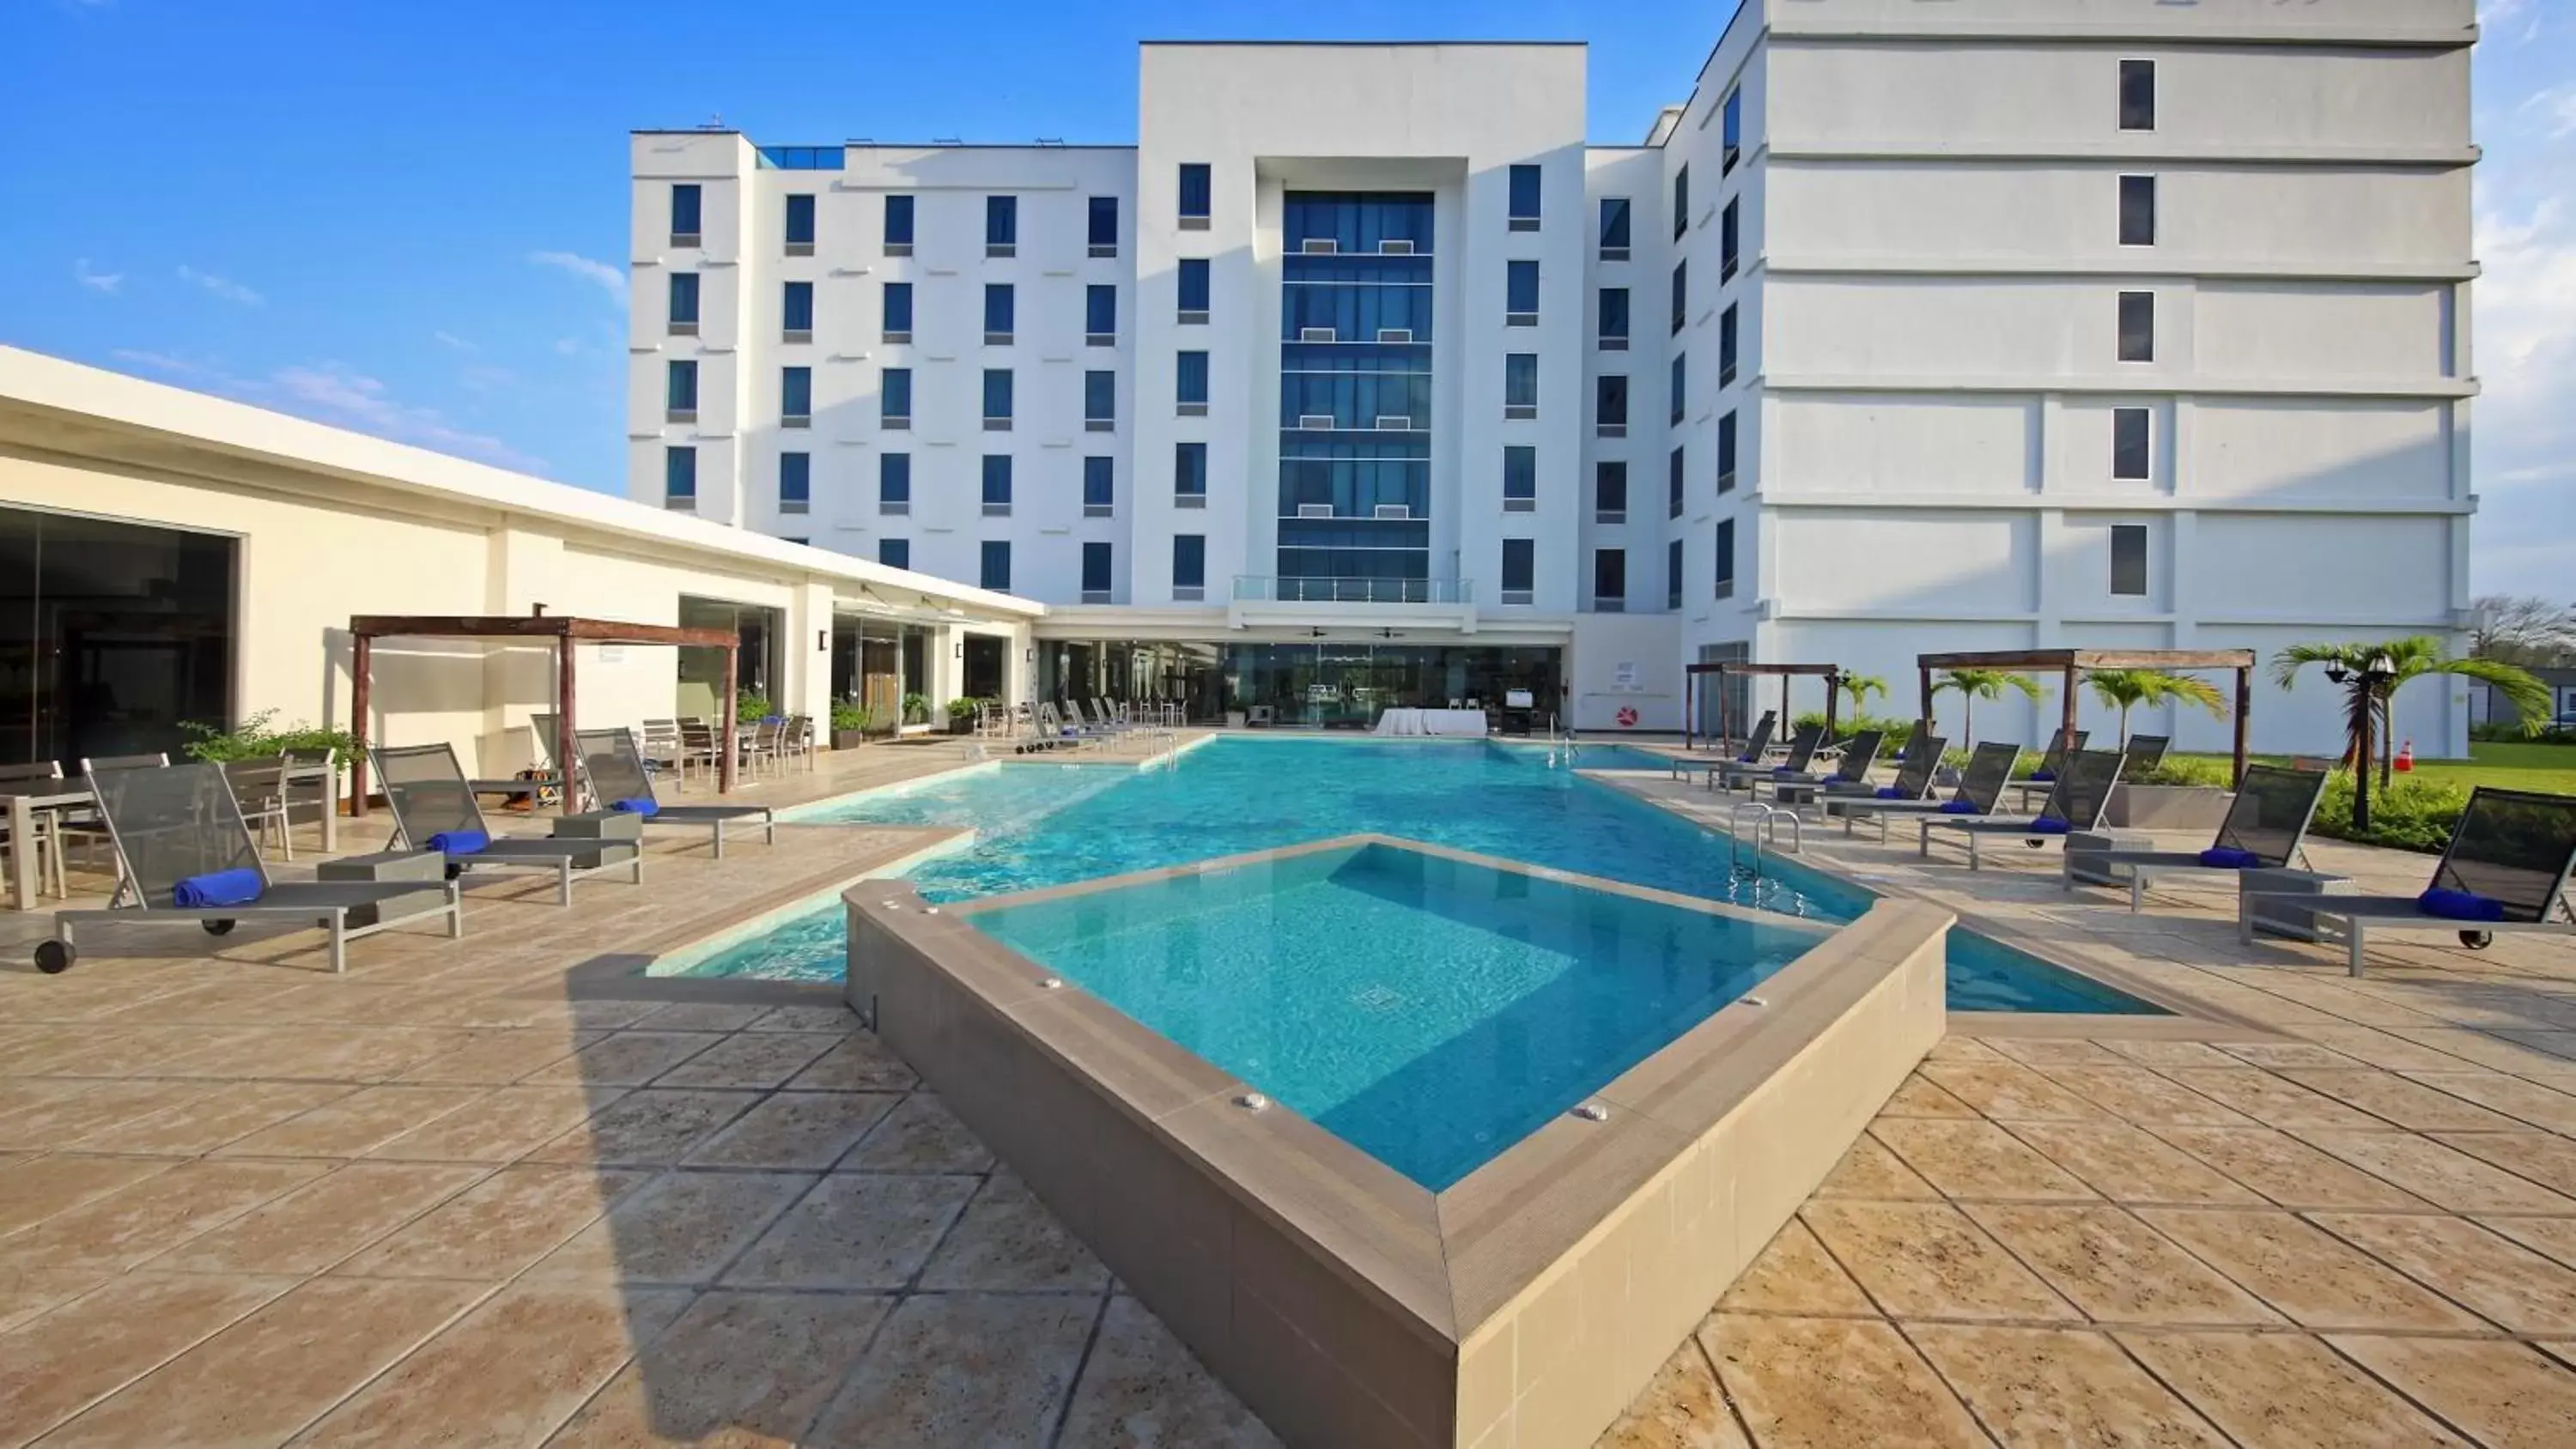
x=822 y=641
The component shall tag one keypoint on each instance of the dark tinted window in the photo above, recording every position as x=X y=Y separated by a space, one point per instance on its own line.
x=2137 y=326
x=2137 y=95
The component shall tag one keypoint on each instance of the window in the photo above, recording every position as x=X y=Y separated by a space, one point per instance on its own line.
x=796 y=311
x=997 y=485
x=1681 y=202
x=1520 y=385
x=800 y=224
x=1726 y=340
x=684 y=214
x=894 y=483
x=1614 y=319
x=1520 y=478
x=1524 y=198
x=1673 y=575
x=1520 y=294
x=1104 y=226
x=1099 y=400
x=1001 y=226
x=1680 y=387
x=2129 y=446
x=1189 y=475
x=1520 y=569
x=795 y=482
x=1725 y=561
x=898 y=226
x=2137 y=95
x=1609 y=492
x=894 y=398
x=996 y=570
x=2137 y=326
x=795 y=396
x=997 y=399
x=1681 y=294
x=1610 y=405
x=1673 y=486
x=1100 y=314
x=2137 y=211
x=1190 y=383
x=898 y=311
x=1726 y=453
x=680 y=393
x=1609 y=580
x=1189 y=565
x=1614 y=228
x=1195 y=193
x=1095 y=573
x=1194 y=289
x=684 y=304
x=679 y=477
x=1099 y=487
x=2129 y=560
x=895 y=553
x=1730 y=132
x=1730 y=241
x=1000 y=307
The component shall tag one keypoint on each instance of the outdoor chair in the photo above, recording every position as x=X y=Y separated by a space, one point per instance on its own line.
x=2266 y=824
x=701 y=745
x=434 y=807
x=1755 y=746
x=618 y=779
x=184 y=854
x=1851 y=767
x=1803 y=743
x=259 y=788
x=44 y=838
x=1914 y=770
x=2051 y=761
x=1979 y=788
x=2505 y=869
x=2143 y=753
x=2083 y=790
x=796 y=740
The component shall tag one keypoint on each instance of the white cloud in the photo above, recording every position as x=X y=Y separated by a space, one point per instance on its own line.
x=452 y=342
x=2556 y=108
x=335 y=393
x=96 y=281
x=2495 y=16
x=224 y=287
x=600 y=274
x=568 y=347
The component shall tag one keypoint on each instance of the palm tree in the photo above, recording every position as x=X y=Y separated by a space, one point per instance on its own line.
x=2349 y=665
x=1977 y=684
x=2126 y=689
x=1860 y=687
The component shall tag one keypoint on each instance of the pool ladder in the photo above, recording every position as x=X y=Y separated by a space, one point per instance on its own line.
x=1766 y=820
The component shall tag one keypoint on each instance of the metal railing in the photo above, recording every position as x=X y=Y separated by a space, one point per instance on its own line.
x=1271 y=589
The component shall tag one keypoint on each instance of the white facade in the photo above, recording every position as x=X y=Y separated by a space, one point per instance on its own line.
x=1936 y=439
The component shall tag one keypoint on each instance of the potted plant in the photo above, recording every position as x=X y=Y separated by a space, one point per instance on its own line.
x=913 y=714
x=850 y=725
x=961 y=714
x=2177 y=794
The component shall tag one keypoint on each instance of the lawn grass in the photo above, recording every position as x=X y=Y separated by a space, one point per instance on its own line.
x=2507 y=766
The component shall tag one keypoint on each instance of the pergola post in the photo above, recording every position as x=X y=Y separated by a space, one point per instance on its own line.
x=1833 y=699
x=566 y=793
x=1924 y=677
x=362 y=658
x=1725 y=716
x=732 y=698
x=2066 y=706
x=2244 y=708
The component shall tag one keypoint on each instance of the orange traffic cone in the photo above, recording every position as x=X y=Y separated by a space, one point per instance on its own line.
x=2406 y=757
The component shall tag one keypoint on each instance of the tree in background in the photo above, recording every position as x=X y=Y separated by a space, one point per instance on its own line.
x=1859 y=687
x=1977 y=684
x=2524 y=629
x=2370 y=676
x=2126 y=689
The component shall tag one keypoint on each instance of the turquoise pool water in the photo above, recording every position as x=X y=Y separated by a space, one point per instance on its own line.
x=1427 y=1011
x=1054 y=824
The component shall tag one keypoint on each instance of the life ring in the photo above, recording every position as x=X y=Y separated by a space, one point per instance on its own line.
x=1627 y=716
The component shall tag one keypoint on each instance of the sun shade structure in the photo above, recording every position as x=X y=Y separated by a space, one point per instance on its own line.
x=1831 y=674
x=2071 y=664
x=565 y=631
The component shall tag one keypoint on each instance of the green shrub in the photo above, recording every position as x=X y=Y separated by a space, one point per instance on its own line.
x=916 y=708
x=1844 y=728
x=2183 y=770
x=750 y=705
x=2414 y=813
x=2496 y=733
x=256 y=738
x=847 y=716
x=962 y=707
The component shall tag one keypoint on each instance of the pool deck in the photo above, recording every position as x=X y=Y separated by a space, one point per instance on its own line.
x=506 y=1191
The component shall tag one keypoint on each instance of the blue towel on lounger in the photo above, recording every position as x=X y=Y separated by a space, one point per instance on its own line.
x=1890 y=792
x=2050 y=827
x=2453 y=905
x=1960 y=807
x=459 y=842
x=2228 y=857
x=2043 y=776
x=640 y=805
x=237 y=887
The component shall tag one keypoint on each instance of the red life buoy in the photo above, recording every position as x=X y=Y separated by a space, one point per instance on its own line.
x=1627 y=717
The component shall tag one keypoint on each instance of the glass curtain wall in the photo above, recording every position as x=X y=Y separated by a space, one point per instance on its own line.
x=1354 y=391
x=112 y=637
x=1133 y=671
x=702 y=670
x=1335 y=685
x=875 y=663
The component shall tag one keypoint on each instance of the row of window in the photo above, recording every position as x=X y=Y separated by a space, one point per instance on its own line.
x=894 y=395
x=894 y=481
x=1099 y=307
x=1610 y=571
x=1099 y=574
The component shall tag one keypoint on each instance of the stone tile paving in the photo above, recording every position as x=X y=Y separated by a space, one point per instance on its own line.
x=502 y=1191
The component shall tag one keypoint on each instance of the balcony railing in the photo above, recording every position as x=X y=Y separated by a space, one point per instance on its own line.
x=1269 y=589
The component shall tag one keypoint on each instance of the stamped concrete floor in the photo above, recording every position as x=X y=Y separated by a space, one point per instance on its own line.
x=505 y=1191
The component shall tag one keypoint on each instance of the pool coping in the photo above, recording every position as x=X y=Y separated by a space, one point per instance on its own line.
x=1343 y=1301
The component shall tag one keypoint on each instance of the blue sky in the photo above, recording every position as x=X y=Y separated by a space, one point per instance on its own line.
x=410 y=219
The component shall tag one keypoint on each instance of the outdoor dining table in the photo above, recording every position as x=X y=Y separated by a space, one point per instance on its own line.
x=1402 y=721
x=26 y=797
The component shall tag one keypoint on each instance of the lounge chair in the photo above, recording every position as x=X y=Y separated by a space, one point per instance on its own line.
x=615 y=770
x=1914 y=772
x=2265 y=825
x=1858 y=754
x=2083 y=789
x=184 y=854
x=1756 y=746
x=2504 y=870
x=2143 y=753
x=1742 y=775
x=433 y=807
x=1979 y=788
x=2051 y=761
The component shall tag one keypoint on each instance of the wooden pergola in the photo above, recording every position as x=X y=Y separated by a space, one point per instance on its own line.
x=565 y=631
x=1832 y=674
x=2069 y=664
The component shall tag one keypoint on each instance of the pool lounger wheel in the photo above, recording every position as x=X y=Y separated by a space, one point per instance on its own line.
x=55 y=957
x=2477 y=940
x=217 y=928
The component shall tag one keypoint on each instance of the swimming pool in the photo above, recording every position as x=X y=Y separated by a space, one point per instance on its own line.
x=1047 y=825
